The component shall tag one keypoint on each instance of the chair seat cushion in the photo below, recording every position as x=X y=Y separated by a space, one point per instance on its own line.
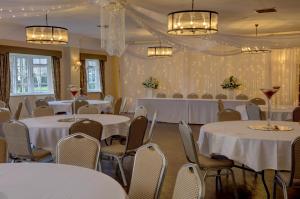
x=39 y=154
x=115 y=149
x=206 y=162
x=285 y=176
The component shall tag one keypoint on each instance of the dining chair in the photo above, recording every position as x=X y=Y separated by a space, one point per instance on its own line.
x=88 y=109
x=161 y=95
x=78 y=104
x=19 y=147
x=49 y=98
x=140 y=111
x=229 y=115
x=241 y=97
x=134 y=140
x=192 y=96
x=207 y=96
x=258 y=101
x=42 y=111
x=220 y=105
x=28 y=106
x=146 y=181
x=117 y=106
x=253 y=111
x=289 y=179
x=41 y=102
x=211 y=167
x=189 y=183
x=177 y=95
x=3 y=150
x=18 y=111
x=88 y=127
x=5 y=116
x=296 y=114
x=124 y=105
x=82 y=97
x=150 y=133
x=78 y=149
x=2 y=104
x=221 y=96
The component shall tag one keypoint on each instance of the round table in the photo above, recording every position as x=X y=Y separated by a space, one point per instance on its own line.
x=280 y=113
x=56 y=181
x=259 y=150
x=45 y=132
x=66 y=105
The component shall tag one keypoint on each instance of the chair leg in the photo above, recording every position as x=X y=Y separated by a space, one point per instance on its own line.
x=122 y=171
x=284 y=189
x=236 y=195
x=274 y=188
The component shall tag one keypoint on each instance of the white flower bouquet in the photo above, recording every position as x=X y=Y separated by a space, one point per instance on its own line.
x=151 y=82
x=231 y=83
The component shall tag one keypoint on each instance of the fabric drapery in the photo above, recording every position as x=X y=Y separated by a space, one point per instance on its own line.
x=4 y=78
x=83 y=78
x=102 y=76
x=56 y=77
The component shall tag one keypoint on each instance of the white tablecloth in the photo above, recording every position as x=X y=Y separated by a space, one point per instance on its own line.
x=46 y=131
x=194 y=111
x=54 y=181
x=66 y=105
x=258 y=150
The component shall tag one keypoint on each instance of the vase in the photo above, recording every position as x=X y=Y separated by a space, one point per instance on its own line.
x=149 y=92
x=230 y=93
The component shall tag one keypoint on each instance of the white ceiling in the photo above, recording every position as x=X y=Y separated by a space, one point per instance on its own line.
x=236 y=17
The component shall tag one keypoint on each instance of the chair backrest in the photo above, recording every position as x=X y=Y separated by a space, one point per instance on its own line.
x=3 y=150
x=49 y=98
x=150 y=133
x=5 y=116
x=17 y=138
x=79 y=150
x=43 y=111
x=296 y=114
x=117 y=106
x=28 y=105
x=253 y=111
x=207 y=96
x=82 y=97
x=147 y=180
x=140 y=111
x=221 y=96
x=88 y=127
x=220 y=105
x=188 y=142
x=124 y=105
x=241 y=97
x=258 y=101
x=78 y=104
x=2 y=104
x=229 y=115
x=88 y=109
x=161 y=95
x=136 y=133
x=41 y=102
x=189 y=183
x=192 y=96
x=18 y=111
x=295 y=170
x=109 y=98
x=177 y=95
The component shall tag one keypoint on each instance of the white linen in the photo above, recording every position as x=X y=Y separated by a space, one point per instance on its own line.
x=56 y=181
x=258 y=150
x=66 y=105
x=195 y=111
x=45 y=132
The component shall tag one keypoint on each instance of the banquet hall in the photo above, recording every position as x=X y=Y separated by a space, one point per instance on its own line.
x=152 y=99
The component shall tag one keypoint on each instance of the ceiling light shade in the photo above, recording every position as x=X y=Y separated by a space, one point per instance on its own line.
x=192 y=22
x=46 y=34
x=255 y=49
x=160 y=51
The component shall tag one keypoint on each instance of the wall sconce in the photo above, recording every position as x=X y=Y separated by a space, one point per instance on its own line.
x=76 y=65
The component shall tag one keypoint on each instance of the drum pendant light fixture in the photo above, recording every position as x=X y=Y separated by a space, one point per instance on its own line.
x=160 y=51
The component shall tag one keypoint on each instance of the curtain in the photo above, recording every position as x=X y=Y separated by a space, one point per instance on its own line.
x=56 y=77
x=102 y=76
x=83 y=78
x=4 y=78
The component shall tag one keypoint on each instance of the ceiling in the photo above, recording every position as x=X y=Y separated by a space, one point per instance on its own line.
x=236 y=17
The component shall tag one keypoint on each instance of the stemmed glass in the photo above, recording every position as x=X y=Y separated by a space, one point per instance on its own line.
x=74 y=91
x=269 y=92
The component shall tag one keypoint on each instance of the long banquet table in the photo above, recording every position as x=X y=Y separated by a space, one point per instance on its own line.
x=193 y=111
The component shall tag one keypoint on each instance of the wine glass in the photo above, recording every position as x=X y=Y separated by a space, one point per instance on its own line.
x=74 y=91
x=269 y=92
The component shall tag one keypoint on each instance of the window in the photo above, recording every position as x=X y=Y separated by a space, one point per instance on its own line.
x=30 y=74
x=93 y=75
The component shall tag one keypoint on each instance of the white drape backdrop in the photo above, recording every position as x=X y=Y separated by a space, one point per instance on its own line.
x=189 y=71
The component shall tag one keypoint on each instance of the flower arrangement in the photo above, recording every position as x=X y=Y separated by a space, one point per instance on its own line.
x=151 y=82
x=231 y=83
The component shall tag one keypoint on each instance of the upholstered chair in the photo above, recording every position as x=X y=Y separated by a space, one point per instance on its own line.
x=42 y=111
x=229 y=115
x=88 y=109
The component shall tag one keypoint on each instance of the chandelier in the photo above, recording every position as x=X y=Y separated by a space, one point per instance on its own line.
x=192 y=22
x=46 y=34
x=255 y=49
x=160 y=51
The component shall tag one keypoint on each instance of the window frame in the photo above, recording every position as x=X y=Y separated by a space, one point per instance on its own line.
x=97 y=76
